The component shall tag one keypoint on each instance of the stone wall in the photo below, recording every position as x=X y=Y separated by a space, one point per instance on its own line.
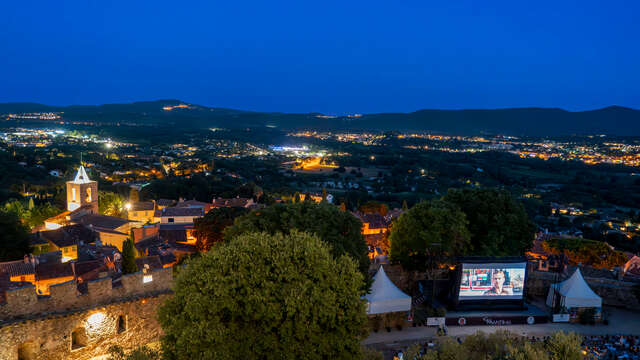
x=74 y=324
x=613 y=292
x=24 y=302
x=128 y=324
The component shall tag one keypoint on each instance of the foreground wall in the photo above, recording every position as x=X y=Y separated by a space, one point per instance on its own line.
x=83 y=323
x=83 y=334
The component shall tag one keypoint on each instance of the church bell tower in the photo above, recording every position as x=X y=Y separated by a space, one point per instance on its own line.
x=82 y=191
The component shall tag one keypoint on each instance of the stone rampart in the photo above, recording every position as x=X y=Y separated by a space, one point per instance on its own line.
x=74 y=324
x=24 y=302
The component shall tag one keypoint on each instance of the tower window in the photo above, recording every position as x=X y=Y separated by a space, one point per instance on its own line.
x=88 y=194
x=73 y=194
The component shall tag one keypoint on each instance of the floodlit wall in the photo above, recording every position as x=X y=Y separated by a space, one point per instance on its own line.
x=70 y=324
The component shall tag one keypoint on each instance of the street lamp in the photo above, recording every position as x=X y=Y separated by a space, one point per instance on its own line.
x=127 y=206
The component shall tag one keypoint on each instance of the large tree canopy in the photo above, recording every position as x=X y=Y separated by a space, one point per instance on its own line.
x=209 y=229
x=499 y=225
x=14 y=237
x=426 y=230
x=262 y=296
x=340 y=229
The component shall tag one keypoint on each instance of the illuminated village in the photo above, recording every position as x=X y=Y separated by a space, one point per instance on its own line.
x=298 y=180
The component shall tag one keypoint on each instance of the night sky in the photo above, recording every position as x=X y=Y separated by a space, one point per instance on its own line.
x=333 y=57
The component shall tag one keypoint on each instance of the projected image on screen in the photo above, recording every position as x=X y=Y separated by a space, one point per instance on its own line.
x=492 y=281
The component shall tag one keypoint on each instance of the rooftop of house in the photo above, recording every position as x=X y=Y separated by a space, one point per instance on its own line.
x=182 y=211
x=232 y=202
x=165 y=202
x=17 y=268
x=102 y=221
x=192 y=203
x=375 y=221
x=153 y=262
x=68 y=235
x=143 y=206
x=54 y=270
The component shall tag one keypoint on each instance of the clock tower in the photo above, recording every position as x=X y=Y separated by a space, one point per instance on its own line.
x=82 y=191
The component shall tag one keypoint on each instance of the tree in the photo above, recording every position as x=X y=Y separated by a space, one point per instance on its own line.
x=110 y=204
x=209 y=229
x=405 y=207
x=565 y=346
x=262 y=296
x=140 y=353
x=499 y=225
x=340 y=229
x=14 y=237
x=428 y=229
x=129 y=257
x=134 y=195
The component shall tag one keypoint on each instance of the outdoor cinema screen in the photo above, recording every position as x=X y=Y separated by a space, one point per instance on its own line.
x=494 y=281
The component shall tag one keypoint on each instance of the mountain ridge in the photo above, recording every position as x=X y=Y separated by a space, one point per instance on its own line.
x=533 y=121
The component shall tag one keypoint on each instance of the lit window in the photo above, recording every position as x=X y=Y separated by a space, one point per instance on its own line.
x=147 y=279
x=73 y=194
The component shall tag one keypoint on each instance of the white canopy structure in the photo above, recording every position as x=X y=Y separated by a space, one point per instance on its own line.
x=574 y=293
x=385 y=297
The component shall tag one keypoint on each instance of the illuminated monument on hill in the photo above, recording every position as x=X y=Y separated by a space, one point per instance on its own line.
x=82 y=191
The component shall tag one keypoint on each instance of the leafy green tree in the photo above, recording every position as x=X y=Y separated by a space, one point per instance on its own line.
x=40 y=213
x=565 y=346
x=140 y=353
x=110 y=204
x=129 y=257
x=499 y=225
x=340 y=229
x=209 y=229
x=427 y=230
x=263 y=296
x=14 y=237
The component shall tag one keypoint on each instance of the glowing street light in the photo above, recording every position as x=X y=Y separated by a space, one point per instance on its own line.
x=127 y=206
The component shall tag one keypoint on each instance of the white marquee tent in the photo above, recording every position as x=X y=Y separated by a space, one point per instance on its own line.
x=385 y=297
x=574 y=293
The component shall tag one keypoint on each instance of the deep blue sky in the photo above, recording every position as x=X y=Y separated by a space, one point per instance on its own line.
x=338 y=57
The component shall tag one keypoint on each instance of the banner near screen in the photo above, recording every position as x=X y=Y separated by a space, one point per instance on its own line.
x=504 y=281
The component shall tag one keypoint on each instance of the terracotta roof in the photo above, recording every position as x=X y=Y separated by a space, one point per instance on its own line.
x=143 y=206
x=165 y=202
x=16 y=268
x=90 y=270
x=154 y=262
x=173 y=235
x=184 y=211
x=375 y=221
x=55 y=270
x=68 y=235
x=103 y=221
x=192 y=203
x=232 y=202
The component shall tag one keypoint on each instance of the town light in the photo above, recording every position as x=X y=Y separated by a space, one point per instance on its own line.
x=109 y=145
x=127 y=206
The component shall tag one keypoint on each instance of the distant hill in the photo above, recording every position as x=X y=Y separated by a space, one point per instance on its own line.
x=612 y=120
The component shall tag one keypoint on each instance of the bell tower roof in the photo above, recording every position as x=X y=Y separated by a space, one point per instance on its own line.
x=81 y=176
